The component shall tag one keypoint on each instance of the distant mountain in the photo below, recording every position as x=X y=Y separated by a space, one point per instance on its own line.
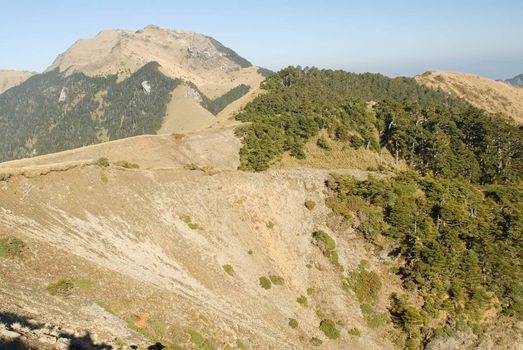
x=516 y=81
x=122 y=84
x=10 y=78
x=493 y=96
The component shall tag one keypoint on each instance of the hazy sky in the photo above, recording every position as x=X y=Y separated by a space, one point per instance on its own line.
x=395 y=37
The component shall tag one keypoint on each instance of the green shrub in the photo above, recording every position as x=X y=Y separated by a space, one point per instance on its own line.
x=229 y=269
x=102 y=162
x=269 y=224
x=276 y=280
x=322 y=143
x=302 y=300
x=293 y=323
x=62 y=287
x=11 y=247
x=265 y=283
x=316 y=342
x=126 y=164
x=199 y=341
x=310 y=204
x=188 y=221
x=310 y=291
x=355 y=332
x=325 y=242
x=327 y=245
x=103 y=177
x=338 y=207
x=329 y=328
x=374 y=319
x=365 y=284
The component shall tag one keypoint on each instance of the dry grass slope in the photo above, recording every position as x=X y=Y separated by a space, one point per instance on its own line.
x=493 y=96
x=10 y=78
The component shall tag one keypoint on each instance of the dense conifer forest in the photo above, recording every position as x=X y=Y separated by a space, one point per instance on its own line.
x=33 y=119
x=432 y=131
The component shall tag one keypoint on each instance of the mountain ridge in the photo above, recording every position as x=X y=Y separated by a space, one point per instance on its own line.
x=10 y=78
x=490 y=95
x=150 y=81
x=516 y=81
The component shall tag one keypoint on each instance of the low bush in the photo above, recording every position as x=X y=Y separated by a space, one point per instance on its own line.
x=316 y=342
x=322 y=143
x=329 y=328
x=63 y=287
x=126 y=164
x=265 y=283
x=365 y=284
x=11 y=247
x=229 y=269
x=302 y=300
x=355 y=332
x=293 y=323
x=374 y=319
x=310 y=204
x=102 y=162
x=188 y=220
x=276 y=280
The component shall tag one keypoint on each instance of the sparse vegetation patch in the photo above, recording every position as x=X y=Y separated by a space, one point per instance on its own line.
x=328 y=327
x=365 y=284
x=11 y=247
x=265 y=283
x=276 y=280
x=199 y=341
x=125 y=164
x=229 y=269
x=310 y=204
x=62 y=287
x=355 y=332
x=302 y=300
x=188 y=221
x=293 y=323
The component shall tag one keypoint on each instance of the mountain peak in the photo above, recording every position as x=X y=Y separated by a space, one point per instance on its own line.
x=184 y=55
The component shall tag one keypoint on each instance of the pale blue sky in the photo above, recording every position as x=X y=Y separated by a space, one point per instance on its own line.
x=402 y=37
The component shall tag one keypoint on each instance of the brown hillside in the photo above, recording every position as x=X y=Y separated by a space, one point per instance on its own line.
x=178 y=246
x=10 y=78
x=493 y=96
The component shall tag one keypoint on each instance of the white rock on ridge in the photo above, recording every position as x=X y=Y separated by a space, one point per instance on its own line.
x=63 y=95
x=146 y=87
x=4 y=333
